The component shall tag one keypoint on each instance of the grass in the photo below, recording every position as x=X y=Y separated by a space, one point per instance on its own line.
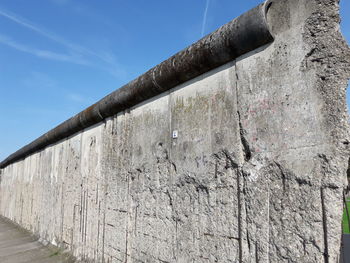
x=55 y=254
x=346 y=220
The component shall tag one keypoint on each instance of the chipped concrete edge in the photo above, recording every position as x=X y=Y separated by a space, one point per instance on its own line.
x=329 y=57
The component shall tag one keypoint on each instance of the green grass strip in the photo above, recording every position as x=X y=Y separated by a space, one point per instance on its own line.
x=346 y=220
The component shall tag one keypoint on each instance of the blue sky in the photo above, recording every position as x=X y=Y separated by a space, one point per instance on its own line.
x=60 y=56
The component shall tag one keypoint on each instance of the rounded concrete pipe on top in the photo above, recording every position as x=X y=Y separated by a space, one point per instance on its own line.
x=242 y=35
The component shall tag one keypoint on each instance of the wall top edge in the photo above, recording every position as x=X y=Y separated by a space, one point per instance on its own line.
x=241 y=35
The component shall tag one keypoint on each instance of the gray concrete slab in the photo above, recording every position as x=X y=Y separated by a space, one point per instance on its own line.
x=19 y=246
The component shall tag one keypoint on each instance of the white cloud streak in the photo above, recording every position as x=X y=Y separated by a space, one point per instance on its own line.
x=25 y=23
x=77 y=54
x=40 y=52
x=204 y=22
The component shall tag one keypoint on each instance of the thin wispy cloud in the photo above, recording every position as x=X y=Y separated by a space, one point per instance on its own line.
x=40 y=82
x=29 y=25
x=204 y=22
x=77 y=54
x=78 y=98
x=46 y=54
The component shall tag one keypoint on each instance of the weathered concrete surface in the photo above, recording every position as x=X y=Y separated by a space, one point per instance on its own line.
x=256 y=174
x=240 y=36
x=19 y=246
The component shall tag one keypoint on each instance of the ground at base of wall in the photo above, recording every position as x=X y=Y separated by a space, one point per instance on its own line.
x=19 y=246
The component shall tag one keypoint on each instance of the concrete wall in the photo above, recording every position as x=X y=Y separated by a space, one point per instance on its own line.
x=256 y=174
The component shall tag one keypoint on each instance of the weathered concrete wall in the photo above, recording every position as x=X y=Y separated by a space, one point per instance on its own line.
x=256 y=174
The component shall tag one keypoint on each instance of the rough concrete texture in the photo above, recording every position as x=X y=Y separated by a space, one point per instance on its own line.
x=19 y=246
x=256 y=173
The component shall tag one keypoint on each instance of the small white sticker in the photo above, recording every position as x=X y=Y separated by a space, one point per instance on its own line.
x=175 y=134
